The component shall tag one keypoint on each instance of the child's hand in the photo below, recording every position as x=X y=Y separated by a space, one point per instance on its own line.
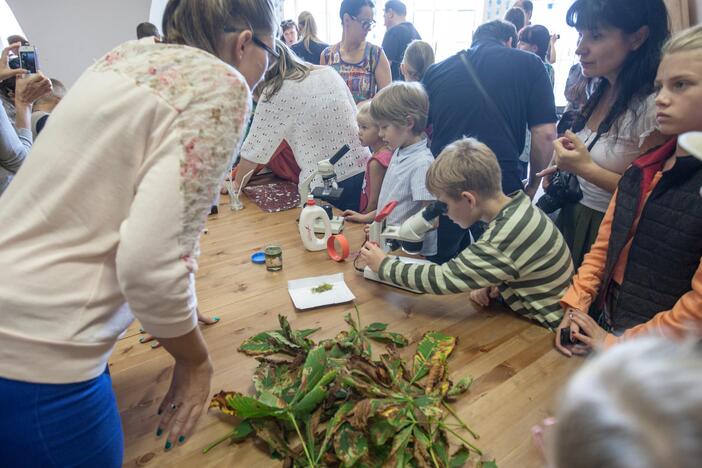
x=372 y=255
x=355 y=217
x=567 y=322
x=571 y=153
x=483 y=296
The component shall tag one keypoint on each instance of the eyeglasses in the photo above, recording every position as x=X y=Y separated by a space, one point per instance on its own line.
x=274 y=56
x=366 y=23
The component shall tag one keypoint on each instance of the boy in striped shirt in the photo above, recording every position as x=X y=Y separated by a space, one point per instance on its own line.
x=521 y=257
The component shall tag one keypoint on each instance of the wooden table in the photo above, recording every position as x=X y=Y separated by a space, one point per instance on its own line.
x=517 y=372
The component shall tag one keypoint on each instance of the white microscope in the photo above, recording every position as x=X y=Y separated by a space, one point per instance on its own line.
x=408 y=235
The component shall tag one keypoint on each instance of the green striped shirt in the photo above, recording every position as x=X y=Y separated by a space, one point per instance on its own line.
x=521 y=252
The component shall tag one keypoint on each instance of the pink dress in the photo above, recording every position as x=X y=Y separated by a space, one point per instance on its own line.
x=383 y=156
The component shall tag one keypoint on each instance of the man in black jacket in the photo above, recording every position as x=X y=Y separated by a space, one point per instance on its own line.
x=398 y=36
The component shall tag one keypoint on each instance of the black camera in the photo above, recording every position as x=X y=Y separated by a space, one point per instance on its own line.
x=14 y=63
x=566 y=340
x=564 y=189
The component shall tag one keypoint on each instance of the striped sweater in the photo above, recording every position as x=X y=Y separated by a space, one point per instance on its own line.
x=521 y=252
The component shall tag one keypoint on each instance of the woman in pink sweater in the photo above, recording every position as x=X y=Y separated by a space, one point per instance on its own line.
x=134 y=155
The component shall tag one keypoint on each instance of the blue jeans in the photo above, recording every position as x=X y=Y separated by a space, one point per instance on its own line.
x=60 y=425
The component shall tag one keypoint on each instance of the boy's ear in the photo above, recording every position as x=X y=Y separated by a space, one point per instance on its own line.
x=410 y=122
x=470 y=198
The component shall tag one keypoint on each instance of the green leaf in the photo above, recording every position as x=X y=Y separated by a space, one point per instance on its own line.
x=376 y=326
x=421 y=437
x=433 y=344
x=350 y=445
x=440 y=446
x=380 y=431
x=387 y=337
x=281 y=380
x=334 y=424
x=313 y=370
x=242 y=431
x=246 y=407
x=460 y=457
x=314 y=397
x=401 y=440
x=488 y=464
x=268 y=431
x=459 y=387
x=259 y=345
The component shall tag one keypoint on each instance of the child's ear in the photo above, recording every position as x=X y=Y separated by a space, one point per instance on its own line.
x=410 y=123
x=470 y=198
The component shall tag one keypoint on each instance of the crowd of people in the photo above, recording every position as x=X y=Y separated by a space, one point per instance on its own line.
x=611 y=252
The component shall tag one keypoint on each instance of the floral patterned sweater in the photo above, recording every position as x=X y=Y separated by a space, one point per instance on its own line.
x=102 y=223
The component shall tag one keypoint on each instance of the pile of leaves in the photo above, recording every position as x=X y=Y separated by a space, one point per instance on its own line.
x=331 y=404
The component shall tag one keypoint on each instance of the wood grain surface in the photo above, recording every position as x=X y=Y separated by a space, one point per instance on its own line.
x=517 y=373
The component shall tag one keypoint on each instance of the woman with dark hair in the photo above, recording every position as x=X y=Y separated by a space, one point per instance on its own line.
x=289 y=32
x=536 y=39
x=310 y=47
x=363 y=66
x=134 y=155
x=517 y=17
x=620 y=44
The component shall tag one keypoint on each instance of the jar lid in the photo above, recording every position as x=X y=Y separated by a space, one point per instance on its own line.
x=258 y=258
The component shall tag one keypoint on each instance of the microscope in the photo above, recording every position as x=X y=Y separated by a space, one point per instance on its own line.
x=409 y=235
x=328 y=192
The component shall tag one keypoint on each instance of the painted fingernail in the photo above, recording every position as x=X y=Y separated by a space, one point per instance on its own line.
x=168 y=445
x=141 y=340
x=216 y=319
x=159 y=431
x=181 y=439
x=141 y=330
x=154 y=344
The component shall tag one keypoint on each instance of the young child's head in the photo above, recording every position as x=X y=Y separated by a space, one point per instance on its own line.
x=367 y=128
x=638 y=405
x=679 y=84
x=401 y=111
x=464 y=176
x=419 y=56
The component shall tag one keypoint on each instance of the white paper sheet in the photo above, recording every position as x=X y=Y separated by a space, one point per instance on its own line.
x=302 y=296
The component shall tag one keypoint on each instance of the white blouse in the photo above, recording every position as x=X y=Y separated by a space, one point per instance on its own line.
x=616 y=151
x=316 y=116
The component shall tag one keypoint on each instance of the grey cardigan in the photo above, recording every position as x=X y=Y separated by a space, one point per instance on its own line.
x=14 y=147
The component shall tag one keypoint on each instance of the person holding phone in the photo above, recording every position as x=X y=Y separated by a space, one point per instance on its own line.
x=134 y=155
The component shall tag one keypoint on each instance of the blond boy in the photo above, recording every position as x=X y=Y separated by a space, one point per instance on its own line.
x=521 y=257
x=401 y=111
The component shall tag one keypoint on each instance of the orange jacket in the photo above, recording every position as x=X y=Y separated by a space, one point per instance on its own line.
x=686 y=314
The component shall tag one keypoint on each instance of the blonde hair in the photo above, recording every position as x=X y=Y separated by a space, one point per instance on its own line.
x=418 y=57
x=308 y=29
x=685 y=41
x=201 y=23
x=288 y=67
x=466 y=165
x=638 y=405
x=364 y=110
x=400 y=100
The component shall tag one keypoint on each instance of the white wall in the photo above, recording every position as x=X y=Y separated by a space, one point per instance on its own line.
x=71 y=34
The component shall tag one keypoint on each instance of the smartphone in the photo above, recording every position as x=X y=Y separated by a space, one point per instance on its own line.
x=28 y=58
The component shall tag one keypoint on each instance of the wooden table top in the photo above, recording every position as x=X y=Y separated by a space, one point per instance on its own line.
x=517 y=372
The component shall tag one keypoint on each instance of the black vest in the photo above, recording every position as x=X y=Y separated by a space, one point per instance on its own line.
x=667 y=247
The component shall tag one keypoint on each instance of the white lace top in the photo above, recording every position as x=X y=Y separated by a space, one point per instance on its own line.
x=616 y=151
x=104 y=218
x=316 y=116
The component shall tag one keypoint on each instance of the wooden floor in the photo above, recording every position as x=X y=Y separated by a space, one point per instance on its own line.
x=517 y=372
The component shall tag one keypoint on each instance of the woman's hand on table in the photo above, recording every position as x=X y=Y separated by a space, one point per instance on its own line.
x=356 y=217
x=372 y=255
x=184 y=402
